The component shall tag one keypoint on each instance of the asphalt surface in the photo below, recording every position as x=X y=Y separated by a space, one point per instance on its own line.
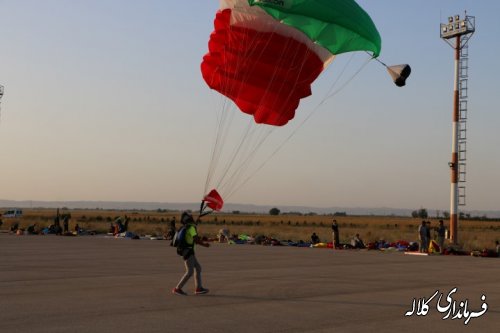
x=98 y=284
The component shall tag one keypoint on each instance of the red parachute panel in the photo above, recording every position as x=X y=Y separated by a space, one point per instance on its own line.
x=264 y=73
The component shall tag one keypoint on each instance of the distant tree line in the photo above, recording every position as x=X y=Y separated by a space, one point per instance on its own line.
x=275 y=211
x=423 y=214
x=340 y=214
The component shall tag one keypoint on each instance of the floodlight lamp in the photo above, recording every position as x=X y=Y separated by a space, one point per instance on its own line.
x=457 y=26
x=450 y=27
x=445 y=29
x=462 y=24
x=457 y=17
x=450 y=19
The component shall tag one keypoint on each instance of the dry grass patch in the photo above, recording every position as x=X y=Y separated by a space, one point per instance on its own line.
x=472 y=234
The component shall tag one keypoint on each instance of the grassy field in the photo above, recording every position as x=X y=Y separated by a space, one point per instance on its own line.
x=472 y=234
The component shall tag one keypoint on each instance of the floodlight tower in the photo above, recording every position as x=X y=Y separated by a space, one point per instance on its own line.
x=457 y=32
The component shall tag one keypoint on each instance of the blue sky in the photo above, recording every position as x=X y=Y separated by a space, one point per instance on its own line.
x=104 y=100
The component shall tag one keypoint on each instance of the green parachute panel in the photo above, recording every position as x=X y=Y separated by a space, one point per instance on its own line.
x=338 y=25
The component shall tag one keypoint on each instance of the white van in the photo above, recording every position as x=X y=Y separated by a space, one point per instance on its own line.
x=12 y=213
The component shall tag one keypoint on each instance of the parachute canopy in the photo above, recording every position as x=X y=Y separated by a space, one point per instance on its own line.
x=265 y=54
x=399 y=73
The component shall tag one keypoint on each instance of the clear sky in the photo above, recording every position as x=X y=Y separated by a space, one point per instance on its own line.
x=104 y=100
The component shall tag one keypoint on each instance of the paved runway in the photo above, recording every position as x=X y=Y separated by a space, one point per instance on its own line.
x=97 y=284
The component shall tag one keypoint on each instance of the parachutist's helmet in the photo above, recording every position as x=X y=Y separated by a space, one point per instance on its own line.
x=186 y=218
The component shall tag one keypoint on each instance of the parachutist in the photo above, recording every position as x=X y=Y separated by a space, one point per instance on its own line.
x=185 y=248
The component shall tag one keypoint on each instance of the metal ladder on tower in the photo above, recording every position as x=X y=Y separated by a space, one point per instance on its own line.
x=462 y=120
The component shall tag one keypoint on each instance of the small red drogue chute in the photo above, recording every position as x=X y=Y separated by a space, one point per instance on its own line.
x=212 y=200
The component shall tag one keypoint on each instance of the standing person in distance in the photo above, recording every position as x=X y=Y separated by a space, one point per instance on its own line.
x=335 y=234
x=191 y=263
x=422 y=235
x=66 y=223
x=441 y=232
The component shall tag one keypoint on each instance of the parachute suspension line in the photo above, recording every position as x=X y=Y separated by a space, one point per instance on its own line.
x=241 y=152
x=218 y=124
x=237 y=175
x=383 y=64
x=345 y=83
x=327 y=96
x=221 y=131
x=225 y=118
x=232 y=181
x=249 y=131
x=245 y=165
x=224 y=122
x=251 y=139
x=377 y=59
x=236 y=151
x=268 y=91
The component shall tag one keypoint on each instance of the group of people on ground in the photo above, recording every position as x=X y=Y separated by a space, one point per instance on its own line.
x=56 y=227
x=190 y=237
x=424 y=232
x=193 y=266
x=356 y=241
x=60 y=226
x=425 y=236
x=119 y=226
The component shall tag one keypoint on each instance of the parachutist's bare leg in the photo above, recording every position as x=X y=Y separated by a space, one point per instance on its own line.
x=197 y=280
x=190 y=265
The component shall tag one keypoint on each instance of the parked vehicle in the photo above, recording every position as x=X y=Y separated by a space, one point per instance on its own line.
x=12 y=213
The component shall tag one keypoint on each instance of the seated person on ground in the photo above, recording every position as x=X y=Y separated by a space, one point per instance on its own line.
x=223 y=235
x=315 y=238
x=357 y=243
x=32 y=229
